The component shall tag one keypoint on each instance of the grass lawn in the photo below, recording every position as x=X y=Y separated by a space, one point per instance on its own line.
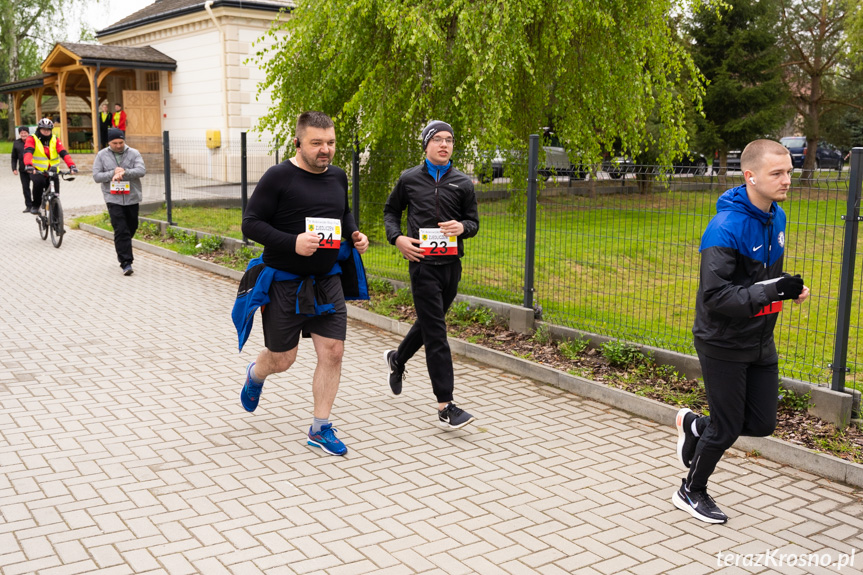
x=5 y=147
x=626 y=264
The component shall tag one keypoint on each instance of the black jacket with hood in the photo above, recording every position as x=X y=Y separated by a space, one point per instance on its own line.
x=734 y=313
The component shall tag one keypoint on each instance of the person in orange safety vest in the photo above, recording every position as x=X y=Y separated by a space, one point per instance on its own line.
x=42 y=151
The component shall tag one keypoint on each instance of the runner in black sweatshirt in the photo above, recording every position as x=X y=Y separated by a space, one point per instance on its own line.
x=299 y=212
x=442 y=212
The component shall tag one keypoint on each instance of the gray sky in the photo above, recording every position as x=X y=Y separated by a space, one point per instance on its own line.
x=102 y=14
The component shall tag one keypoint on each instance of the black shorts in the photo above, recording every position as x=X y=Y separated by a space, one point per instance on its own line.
x=282 y=324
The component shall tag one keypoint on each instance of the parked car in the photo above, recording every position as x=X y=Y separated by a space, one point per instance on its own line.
x=491 y=168
x=694 y=164
x=732 y=161
x=618 y=166
x=557 y=162
x=826 y=156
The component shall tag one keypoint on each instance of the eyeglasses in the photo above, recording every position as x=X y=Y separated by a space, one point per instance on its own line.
x=439 y=141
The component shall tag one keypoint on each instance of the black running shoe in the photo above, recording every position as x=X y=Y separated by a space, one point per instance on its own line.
x=686 y=440
x=452 y=417
x=698 y=504
x=397 y=373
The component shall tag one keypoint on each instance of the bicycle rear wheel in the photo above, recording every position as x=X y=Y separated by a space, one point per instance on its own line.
x=55 y=222
x=43 y=226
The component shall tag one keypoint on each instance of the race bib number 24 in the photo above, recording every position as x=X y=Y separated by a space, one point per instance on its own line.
x=433 y=242
x=328 y=230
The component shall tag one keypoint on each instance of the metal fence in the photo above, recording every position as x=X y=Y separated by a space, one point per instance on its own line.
x=220 y=177
x=610 y=249
x=615 y=252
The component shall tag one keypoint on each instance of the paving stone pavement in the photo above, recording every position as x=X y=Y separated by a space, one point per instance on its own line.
x=124 y=449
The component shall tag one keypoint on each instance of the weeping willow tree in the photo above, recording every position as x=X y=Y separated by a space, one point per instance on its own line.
x=496 y=70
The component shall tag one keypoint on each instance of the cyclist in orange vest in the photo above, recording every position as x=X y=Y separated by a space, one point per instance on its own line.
x=42 y=151
x=118 y=120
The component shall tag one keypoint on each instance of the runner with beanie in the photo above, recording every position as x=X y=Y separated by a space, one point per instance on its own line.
x=442 y=213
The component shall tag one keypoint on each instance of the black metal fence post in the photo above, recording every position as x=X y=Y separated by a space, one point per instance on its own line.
x=166 y=149
x=846 y=283
x=244 y=176
x=278 y=143
x=355 y=177
x=530 y=235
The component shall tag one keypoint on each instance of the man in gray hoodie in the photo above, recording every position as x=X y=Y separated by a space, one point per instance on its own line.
x=119 y=169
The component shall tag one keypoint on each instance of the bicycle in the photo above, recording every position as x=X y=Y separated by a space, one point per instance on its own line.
x=50 y=217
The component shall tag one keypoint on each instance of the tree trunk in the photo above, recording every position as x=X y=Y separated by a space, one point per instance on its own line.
x=812 y=128
x=723 y=166
x=13 y=76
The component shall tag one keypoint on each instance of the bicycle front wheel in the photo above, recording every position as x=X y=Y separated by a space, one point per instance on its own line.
x=55 y=222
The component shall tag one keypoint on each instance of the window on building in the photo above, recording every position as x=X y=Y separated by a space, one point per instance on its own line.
x=151 y=79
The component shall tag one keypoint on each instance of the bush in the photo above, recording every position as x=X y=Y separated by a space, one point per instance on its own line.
x=181 y=236
x=149 y=230
x=380 y=287
x=621 y=354
x=403 y=297
x=209 y=244
x=572 y=348
x=542 y=335
x=463 y=313
x=793 y=401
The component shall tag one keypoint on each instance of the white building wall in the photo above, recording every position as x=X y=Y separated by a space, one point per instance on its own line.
x=196 y=100
x=194 y=104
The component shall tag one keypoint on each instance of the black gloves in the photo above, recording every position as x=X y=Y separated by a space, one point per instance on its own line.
x=73 y=169
x=29 y=169
x=789 y=287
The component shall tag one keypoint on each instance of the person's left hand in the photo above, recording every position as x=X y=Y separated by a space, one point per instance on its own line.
x=361 y=242
x=451 y=228
x=803 y=295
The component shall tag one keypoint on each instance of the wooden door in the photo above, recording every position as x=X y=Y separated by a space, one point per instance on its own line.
x=143 y=121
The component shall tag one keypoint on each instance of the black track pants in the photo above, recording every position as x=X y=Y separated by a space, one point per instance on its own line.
x=40 y=185
x=124 y=220
x=742 y=398
x=25 y=187
x=434 y=288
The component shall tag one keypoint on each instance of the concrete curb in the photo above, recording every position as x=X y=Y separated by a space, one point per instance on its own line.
x=776 y=450
x=168 y=254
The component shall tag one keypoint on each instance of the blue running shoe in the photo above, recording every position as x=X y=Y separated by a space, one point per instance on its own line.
x=251 y=393
x=326 y=439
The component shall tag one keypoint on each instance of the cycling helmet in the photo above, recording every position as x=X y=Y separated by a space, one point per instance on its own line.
x=46 y=123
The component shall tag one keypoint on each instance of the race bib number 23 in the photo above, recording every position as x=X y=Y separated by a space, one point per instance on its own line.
x=433 y=242
x=328 y=230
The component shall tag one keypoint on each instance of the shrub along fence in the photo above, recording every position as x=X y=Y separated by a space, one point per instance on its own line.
x=610 y=249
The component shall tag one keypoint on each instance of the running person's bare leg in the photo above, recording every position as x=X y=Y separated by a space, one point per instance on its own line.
x=325 y=384
x=270 y=362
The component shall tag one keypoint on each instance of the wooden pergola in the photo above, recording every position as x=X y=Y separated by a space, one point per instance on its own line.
x=81 y=70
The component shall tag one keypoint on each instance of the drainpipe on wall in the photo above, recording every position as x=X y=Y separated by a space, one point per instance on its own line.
x=224 y=64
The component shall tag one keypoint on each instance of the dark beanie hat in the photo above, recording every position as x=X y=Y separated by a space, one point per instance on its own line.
x=115 y=134
x=433 y=128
